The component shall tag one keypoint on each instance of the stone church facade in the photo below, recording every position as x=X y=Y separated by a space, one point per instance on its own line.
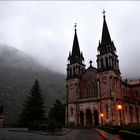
x=99 y=96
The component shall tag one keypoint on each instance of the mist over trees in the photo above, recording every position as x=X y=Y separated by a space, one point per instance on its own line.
x=18 y=71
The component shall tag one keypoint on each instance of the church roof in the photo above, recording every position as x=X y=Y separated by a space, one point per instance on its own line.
x=134 y=82
x=89 y=69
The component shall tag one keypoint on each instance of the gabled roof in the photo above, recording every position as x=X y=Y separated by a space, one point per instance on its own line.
x=88 y=69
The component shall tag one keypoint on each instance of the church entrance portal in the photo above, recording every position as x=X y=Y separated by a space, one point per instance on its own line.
x=81 y=118
x=88 y=117
x=96 y=118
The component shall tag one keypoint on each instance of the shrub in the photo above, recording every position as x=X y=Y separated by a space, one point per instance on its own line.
x=59 y=125
x=43 y=125
x=127 y=135
x=51 y=126
x=34 y=125
x=136 y=130
x=109 y=129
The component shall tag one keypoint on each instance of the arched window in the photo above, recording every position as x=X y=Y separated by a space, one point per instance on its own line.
x=123 y=92
x=73 y=70
x=106 y=111
x=109 y=60
x=126 y=108
x=76 y=70
x=102 y=63
x=113 y=62
x=71 y=111
x=93 y=92
x=89 y=86
x=106 y=61
x=82 y=70
x=87 y=91
x=70 y=71
x=79 y=70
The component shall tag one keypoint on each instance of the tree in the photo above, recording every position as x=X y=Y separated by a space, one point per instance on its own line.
x=57 y=112
x=33 y=108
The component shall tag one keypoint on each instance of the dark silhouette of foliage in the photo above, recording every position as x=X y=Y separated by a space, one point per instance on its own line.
x=1 y=108
x=33 y=108
x=57 y=112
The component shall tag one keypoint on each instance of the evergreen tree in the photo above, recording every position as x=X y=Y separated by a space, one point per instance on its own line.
x=57 y=112
x=33 y=108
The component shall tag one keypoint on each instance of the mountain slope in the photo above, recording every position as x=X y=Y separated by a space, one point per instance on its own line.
x=17 y=74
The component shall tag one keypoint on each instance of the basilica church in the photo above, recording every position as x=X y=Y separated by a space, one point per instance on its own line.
x=98 y=95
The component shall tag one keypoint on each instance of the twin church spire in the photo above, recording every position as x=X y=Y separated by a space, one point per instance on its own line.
x=106 y=39
x=76 y=56
x=106 y=59
x=106 y=45
x=75 y=48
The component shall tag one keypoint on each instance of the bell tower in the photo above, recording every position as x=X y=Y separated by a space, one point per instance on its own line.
x=109 y=76
x=75 y=68
x=107 y=58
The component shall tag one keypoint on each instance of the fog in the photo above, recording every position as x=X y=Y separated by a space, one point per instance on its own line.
x=45 y=30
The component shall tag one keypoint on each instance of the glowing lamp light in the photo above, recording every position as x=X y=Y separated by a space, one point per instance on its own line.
x=119 y=107
x=102 y=114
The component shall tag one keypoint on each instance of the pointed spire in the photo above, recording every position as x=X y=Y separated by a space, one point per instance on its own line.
x=75 y=48
x=76 y=56
x=106 y=39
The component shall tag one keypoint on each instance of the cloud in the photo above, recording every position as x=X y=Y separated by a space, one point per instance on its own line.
x=46 y=29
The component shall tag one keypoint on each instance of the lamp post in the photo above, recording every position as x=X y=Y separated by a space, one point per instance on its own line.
x=120 y=108
x=102 y=115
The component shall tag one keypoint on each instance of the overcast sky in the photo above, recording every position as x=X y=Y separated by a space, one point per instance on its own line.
x=46 y=29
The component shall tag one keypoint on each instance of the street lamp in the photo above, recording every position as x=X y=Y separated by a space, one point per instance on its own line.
x=120 y=108
x=102 y=115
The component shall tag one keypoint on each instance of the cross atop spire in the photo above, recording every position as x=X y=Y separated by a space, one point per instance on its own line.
x=90 y=62
x=75 y=25
x=104 y=13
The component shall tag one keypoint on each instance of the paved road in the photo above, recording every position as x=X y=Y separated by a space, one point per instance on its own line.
x=75 y=134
